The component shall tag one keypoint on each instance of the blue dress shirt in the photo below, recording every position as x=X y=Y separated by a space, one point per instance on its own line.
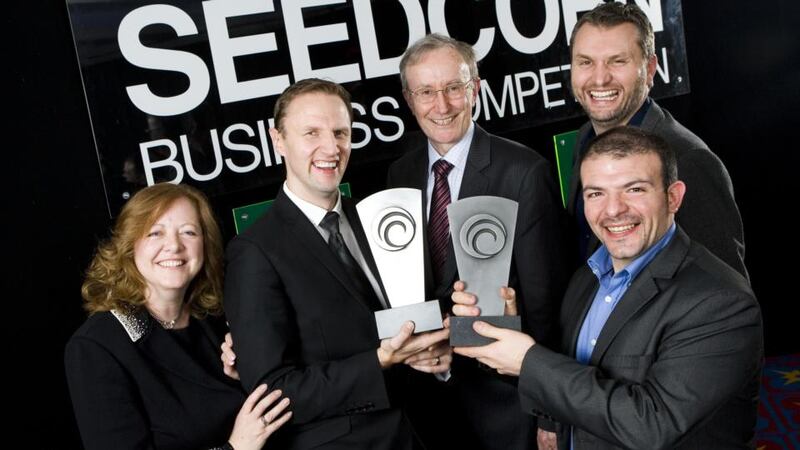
x=612 y=287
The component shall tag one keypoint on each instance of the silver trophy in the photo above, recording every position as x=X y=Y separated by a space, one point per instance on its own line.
x=482 y=230
x=392 y=220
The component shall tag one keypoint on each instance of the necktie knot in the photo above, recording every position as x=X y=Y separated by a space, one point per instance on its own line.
x=442 y=168
x=330 y=223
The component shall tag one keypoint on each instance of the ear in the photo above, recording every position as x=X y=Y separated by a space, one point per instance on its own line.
x=652 y=65
x=675 y=194
x=277 y=141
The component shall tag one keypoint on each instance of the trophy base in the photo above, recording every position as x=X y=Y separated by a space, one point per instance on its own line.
x=426 y=316
x=462 y=334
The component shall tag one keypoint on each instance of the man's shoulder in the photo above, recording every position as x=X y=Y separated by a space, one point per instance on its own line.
x=681 y=139
x=415 y=145
x=705 y=269
x=267 y=229
x=509 y=151
x=410 y=157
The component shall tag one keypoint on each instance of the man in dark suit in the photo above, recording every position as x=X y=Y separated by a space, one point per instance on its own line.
x=613 y=66
x=301 y=288
x=662 y=342
x=440 y=84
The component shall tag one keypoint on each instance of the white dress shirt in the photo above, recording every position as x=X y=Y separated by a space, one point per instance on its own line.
x=457 y=156
x=315 y=214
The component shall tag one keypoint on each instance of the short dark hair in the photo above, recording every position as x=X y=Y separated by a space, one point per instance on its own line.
x=309 y=86
x=611 y=14
x=435 y=41
x=621 y=142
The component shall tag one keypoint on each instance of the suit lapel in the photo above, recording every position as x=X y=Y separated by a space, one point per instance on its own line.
x=576 y=308
x=653 y=117
x=298 y=225
x=363 y=243
x=643 y=289
x=475 y=182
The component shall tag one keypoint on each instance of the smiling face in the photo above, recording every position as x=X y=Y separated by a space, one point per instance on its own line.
x=170 y=253
x=314 y=141
x=444 y=120
x=610 y=76
x=625 y=203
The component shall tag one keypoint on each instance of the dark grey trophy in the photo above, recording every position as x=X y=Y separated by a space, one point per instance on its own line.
x=392 y=220
x=482 y=230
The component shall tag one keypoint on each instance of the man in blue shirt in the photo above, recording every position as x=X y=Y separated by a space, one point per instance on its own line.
x=613 y=69
x=661 y=342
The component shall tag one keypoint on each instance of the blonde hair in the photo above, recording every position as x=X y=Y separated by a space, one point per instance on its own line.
x=112 y=279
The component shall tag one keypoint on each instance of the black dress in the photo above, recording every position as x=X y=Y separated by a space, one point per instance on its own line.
x=135 y=385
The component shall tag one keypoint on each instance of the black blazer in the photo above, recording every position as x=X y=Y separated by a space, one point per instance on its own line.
x=499 y=167
x=300 y=325
x=503 y=168
x=677 y=364
x=708 y=213
x=133 y=386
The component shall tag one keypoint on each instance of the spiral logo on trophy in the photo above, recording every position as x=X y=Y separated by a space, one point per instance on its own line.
x=391 y=220
x=483 y=236
x=394 y=229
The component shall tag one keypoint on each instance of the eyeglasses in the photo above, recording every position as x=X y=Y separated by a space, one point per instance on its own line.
x=452 y=91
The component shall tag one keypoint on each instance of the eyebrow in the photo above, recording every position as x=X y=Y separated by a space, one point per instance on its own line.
x=615 y=55
x=626 y=185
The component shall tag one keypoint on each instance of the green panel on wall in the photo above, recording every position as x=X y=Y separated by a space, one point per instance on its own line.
x=244 y=216
x=564 y=145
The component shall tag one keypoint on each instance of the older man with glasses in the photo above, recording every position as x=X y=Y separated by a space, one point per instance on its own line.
x=458 y=160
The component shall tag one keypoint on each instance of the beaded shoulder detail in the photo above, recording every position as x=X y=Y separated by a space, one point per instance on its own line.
x=135 y=324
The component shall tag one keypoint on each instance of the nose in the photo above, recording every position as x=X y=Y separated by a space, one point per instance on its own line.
x=615 y=205
x=173 y=242
x=441 y=102
x=600 y=74
x=329 y=144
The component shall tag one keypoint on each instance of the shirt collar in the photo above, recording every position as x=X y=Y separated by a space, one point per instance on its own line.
x=313 y=212
x=457 y=155
x=638 y=118
x=601 y=266
x=636 y=121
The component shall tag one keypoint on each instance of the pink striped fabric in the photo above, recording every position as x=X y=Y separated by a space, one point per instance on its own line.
x=438 y=225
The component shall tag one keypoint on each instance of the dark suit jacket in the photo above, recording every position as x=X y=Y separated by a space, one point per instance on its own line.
x=133 y=386
x=677 y=364
x=503 y=168
x=301 y=326
x=708 y=213
x=499 y=167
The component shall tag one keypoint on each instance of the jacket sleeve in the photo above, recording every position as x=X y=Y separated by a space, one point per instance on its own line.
x=709 y=213
x=707 y=356
x=539 y=257
x=267 y=341
x=105 y=399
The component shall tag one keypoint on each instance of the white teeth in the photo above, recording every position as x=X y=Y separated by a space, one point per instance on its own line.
x=603 y=95
x=443 y=122
x=325 y=164
x=171 y=263
x=621 y=228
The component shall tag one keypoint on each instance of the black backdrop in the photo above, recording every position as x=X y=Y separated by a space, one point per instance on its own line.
x=744 y=63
